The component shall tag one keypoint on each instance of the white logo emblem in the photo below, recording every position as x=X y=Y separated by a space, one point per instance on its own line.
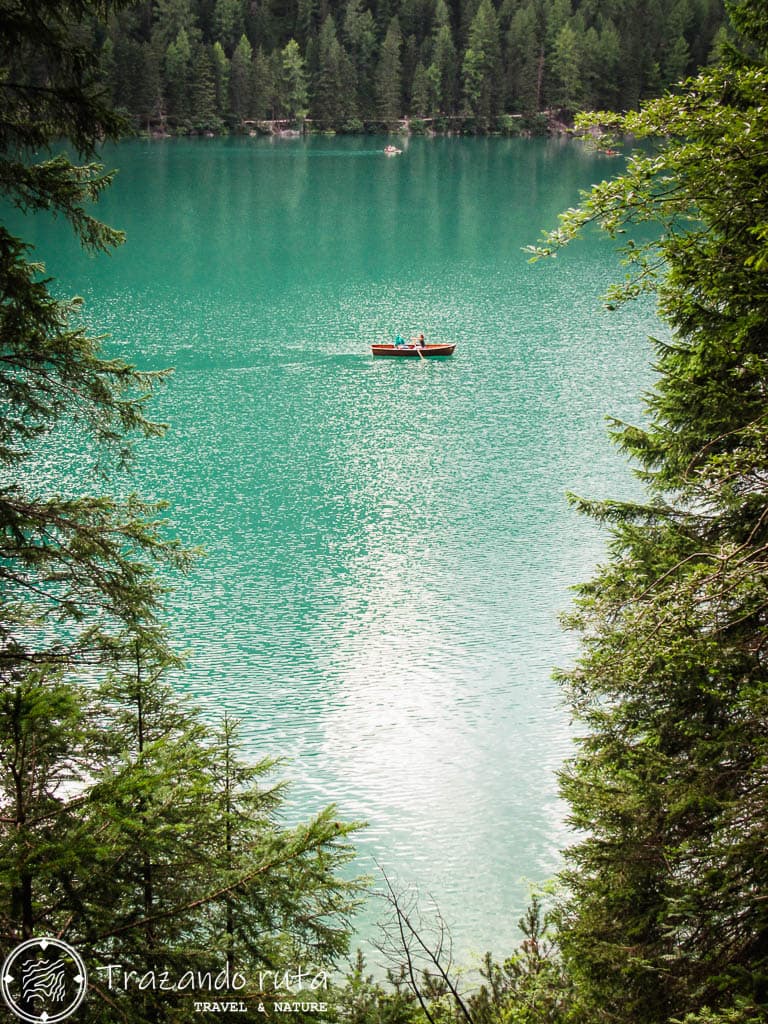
x=43 y=980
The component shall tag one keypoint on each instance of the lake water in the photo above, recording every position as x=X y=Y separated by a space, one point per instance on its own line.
x=388 y=542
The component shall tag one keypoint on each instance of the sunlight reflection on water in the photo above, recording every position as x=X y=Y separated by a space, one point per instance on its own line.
x=388 y=543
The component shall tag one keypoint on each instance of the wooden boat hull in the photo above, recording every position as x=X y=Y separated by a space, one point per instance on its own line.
x=405 y=350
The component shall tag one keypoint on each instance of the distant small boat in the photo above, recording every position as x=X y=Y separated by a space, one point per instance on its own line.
x=392 y=151
x=414 y=350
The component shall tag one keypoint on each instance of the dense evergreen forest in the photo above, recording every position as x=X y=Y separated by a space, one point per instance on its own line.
x=462 y=65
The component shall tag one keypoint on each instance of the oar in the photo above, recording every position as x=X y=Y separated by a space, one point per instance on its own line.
x=418 y=347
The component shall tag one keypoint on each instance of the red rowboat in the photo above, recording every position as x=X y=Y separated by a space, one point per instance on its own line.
x=413 y=350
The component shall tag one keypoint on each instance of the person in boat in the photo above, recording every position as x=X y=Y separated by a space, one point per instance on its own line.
x=399 y=340
x=420 y=342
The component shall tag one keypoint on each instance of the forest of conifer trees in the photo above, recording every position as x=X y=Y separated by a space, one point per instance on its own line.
x=208 y=66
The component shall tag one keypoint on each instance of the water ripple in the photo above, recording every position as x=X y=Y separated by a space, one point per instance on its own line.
x=388 y=543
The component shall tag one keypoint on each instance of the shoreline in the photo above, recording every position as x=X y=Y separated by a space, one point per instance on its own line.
x=542 y=124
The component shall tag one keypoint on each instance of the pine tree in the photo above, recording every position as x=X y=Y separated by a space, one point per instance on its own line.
x=276 y=100
x=220 y=79
x=422 y=95
x=241 y=80
x=178 y=77
x=327 y=92
x=389 y=76
x=150 y=104
x=41 y=745
x=360 y=39
x=667 y=917
x=482 y=66
x=675 y=54
x=228 y=23
x=640 y=72
x=566 y=84
x=263 y=85
x=294 y=81
x=467 y=12
x=125 y=72
x=415 y=17
x=75 y=571
x=409 y=58
x=605 y=58
x=258 y=27
x=613 y=52
x=307 y=20
x=443 y=70
x=203 y=113
x=143 y=835
x=170 y=17
x=349 y=107
x=524 y=59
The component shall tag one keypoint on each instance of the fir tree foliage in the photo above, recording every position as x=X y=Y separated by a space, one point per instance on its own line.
x=143 y=837
x=127 y=825
x=482 y=65
x=241 y=79
x=667 y=918
x=361 y=42
x=221 y=66
x=443 y=71
x=482 y=59
x=524 y=61
x=331 y=91
x=294 y=81
x=77 y=572
x=530 y=986
x=178 y=76
x=388 y=76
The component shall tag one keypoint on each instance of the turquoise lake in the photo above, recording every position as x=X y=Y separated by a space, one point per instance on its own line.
x=388 y=542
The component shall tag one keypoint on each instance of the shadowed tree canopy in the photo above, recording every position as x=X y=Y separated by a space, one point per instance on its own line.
x=76 y=571
x=511 y=56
